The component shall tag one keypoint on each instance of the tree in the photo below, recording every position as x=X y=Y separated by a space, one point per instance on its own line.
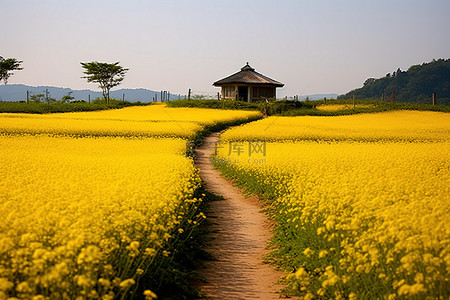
x=105 y=74
x=38 y=98
x=7 y=66
x=67 y=97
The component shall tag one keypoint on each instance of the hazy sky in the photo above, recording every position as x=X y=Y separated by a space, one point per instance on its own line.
x=314 y=46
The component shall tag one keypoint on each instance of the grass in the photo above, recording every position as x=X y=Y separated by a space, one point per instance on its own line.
x=272 y=108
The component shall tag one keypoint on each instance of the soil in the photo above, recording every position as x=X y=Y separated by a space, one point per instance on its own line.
x=239 y=236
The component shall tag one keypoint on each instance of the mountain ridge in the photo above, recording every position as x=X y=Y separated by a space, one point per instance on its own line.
x=18 y=92
x=418 y=84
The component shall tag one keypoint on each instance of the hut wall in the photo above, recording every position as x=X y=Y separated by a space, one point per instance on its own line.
x=259 y=92
x=229 y=92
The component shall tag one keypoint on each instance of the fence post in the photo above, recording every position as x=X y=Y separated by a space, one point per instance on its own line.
x=189 y=94
x=28 y=96
x=434 y=98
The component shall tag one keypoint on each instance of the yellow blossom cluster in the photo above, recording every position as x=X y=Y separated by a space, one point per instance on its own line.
x=81 y=216
x=336 y=107
x=145 y=121
x=92 y=202
x=356 y=219
x=392 y=126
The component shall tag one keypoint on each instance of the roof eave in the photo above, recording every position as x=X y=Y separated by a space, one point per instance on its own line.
x=219 y=84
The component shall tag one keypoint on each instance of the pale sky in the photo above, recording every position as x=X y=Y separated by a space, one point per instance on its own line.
x=315 y=46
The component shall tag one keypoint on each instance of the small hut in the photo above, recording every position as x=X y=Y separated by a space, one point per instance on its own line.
x=248 y=85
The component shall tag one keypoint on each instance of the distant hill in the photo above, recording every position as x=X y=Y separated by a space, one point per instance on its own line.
x=417 y=84
x=18 y=92
x=318 y=96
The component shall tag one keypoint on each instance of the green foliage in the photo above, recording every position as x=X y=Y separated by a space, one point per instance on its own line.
x=107 y=75
x=7 y=65
x=37 y=98
x=272 y=107
x=415 y=85
x=67 y=97
x=216 y=104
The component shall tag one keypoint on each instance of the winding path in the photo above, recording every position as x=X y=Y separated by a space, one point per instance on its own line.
x=238 y=239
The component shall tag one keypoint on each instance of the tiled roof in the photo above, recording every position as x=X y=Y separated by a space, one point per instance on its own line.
x=248 y=75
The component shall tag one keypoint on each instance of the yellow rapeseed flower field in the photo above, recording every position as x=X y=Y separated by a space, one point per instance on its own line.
x=92 y=202
x=70 y=207
x=363 y=216
x=145 y=121
x=336 y=107
x=393 y=125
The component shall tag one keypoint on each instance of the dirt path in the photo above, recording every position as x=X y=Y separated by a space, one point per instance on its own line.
x=239 y=236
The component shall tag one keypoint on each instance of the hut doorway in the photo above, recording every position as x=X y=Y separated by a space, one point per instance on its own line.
x=243 y=93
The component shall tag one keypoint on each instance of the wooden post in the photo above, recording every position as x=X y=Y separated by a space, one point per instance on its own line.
x=28 y=96
x=89 y=97
x=218 y=96
x=393 y=97
x=162 y=100
x=434 y=98
x=168 y=96
x=123 y=97
x=189 y=94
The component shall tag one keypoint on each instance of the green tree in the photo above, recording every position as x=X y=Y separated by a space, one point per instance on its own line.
x=67 y=97
x=7 y=66
x=107 y=75
x=38 y=98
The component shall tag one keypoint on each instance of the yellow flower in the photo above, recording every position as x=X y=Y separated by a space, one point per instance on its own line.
x=149 y=295
x=308 y=252
x=323 y=253
x=127 y=283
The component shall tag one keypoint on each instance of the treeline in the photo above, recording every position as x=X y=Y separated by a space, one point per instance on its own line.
x=416 y=85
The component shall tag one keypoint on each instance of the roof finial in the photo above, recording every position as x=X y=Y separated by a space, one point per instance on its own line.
x=247 y=67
